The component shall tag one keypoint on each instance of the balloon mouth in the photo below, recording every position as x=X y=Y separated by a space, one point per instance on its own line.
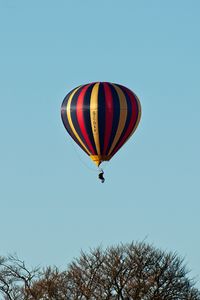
x=98 y=159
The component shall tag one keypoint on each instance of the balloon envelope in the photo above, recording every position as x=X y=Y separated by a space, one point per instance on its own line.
x=101 y=117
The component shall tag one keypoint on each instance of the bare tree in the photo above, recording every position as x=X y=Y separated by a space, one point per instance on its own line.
x=52 y=285
x=15 y=278
x=135 y=271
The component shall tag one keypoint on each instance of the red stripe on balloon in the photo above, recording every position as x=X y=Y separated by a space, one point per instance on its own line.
x=133 y=120
x=80 y=118
x=108 y=115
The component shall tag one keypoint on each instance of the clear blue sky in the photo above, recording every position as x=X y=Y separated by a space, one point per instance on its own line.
x=52 y=206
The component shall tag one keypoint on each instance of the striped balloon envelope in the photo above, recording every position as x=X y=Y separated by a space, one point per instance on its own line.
x=101 y=117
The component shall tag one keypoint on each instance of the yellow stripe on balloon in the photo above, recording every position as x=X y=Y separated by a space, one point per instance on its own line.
x=138 y=118
x=122 y=117
x=94 y=116
x=70 y=120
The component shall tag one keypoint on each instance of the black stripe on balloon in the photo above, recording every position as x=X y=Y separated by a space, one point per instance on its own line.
x=86 y=116
x=65 y=120
x=128 y=118
x=116 y=115
x=101 y=116
x=73 y=109
x=137 y=108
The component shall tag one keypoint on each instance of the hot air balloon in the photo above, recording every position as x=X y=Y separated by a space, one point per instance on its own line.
x=101 y=117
